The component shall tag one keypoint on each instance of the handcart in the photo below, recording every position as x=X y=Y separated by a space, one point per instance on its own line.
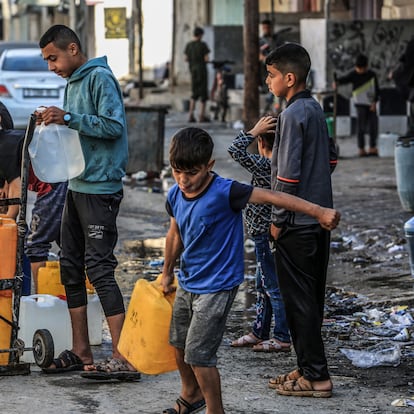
x=42 y=346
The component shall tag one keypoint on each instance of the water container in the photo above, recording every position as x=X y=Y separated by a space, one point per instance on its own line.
x=404 y=170
x=94 y=319
x=386 y=144
x=145 y=333
x=56 y=153
x=50 y=312
x=409 y=235
x=8 y=247
x=44 y=312
x=5 y=328
x=48 y=280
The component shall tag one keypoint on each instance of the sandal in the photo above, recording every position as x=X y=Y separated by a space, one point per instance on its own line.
x=281 y=379
x=112 y=368
x=65 y=362
x=183 y=404
x=246 y=341
x=271 y=345
x=302 y=388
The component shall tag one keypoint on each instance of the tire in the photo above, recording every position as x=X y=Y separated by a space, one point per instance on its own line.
x=43 y=348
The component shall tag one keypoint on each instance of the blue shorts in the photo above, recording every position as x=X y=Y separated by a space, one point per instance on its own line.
x=198 y=324
x=45 y=224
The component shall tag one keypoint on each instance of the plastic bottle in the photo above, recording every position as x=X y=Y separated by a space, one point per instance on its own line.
x=409 y=235
x=56 y=152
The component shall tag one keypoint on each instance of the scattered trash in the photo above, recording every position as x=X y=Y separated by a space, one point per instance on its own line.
x=238 y=124
x=382 y=354
x=403 y=402
x=140 y=175
x=156 y=263
x=402 y=336
x=249 y=246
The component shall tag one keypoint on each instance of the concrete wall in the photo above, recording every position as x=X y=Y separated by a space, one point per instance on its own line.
x=189 y=14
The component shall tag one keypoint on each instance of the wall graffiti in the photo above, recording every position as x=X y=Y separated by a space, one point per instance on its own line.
x=383 y=41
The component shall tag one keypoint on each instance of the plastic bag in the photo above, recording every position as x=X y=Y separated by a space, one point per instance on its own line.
x=56 y=153
x=383 y=354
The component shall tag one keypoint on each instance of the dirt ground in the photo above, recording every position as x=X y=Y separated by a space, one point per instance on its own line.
x=368 y=276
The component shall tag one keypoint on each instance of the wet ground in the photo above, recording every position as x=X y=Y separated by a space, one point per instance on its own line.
x=368 y=284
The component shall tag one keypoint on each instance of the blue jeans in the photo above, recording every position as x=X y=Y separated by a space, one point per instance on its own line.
x=268 y=300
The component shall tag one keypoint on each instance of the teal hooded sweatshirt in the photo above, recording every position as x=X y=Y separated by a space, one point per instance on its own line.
x=94 y=99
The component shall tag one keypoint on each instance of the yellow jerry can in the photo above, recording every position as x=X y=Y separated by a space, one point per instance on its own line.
x=144 y=337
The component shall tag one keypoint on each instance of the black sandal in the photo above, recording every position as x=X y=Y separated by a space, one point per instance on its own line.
x=65 y=362
x=190 y=408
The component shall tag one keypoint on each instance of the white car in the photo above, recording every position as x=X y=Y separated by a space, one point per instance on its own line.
x=26 y=83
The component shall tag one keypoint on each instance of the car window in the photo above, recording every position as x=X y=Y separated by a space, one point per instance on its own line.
x=25 y=63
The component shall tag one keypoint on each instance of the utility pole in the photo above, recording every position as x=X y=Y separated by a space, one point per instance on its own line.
x=251 y=63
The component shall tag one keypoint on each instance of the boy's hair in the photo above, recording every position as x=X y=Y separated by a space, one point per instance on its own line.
x=268 y=138
x=198 y=31
x=361 y=61
x=190 y=147
x=290 y=57
x=61 y=36
x=266 y=21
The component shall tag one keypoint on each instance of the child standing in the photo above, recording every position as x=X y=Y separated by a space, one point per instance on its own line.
x=365 y=93
x=301 y=165
x=257 y=219
x=206 y=233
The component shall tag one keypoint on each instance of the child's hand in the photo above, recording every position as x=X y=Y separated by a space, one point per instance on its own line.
x=167 y=283
x=329 y=218
x=263 y=125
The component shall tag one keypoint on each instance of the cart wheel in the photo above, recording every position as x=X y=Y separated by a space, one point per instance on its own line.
x=43 y=348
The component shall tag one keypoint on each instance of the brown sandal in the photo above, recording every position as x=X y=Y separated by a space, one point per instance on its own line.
x=302 y=388
x=281 y=379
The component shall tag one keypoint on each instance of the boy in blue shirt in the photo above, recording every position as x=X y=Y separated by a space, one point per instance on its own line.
x=206 y=233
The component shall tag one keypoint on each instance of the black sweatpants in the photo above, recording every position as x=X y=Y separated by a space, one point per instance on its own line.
x=88 y=238
x=302 y=254
x=367 y=121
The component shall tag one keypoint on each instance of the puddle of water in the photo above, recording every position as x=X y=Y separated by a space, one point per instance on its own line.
x=144 y=259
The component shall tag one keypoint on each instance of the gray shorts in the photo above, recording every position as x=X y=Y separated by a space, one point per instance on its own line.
x=198 y=324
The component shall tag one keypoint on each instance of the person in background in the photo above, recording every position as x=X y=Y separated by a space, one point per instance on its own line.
x=206 y=233
x=47 y=210
x=403 y=76
x=302 y=162
x=11 y=145
x=44 y=228
x=365 y=94
x=257 y=220
x=197 y=54
x=94 y=107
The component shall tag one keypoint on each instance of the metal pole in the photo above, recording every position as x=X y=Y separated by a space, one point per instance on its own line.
x=251 y=62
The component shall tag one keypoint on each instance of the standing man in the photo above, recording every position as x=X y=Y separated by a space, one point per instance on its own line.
x=196 y=54
x=93 y=106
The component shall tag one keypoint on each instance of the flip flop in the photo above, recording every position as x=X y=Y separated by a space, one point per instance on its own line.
x=191 y=408
x=107 y=376
x=271 y=345
x=66 y=361
x=246 y=341
x=112 y=369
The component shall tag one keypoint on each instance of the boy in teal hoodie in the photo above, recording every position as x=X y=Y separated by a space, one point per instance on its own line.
x=93 y=106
